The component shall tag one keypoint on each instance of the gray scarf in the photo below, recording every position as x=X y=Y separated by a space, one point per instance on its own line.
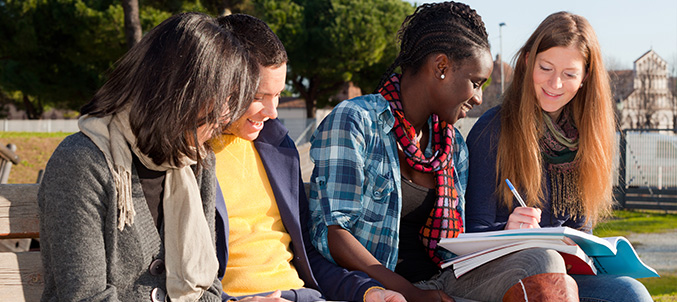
x=190 y=259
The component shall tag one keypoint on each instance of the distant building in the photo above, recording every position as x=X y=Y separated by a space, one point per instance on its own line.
x=491 y=96
x=347 y=91
x=648 y=100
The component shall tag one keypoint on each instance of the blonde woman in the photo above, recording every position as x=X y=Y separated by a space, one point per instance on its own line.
x=553 y=137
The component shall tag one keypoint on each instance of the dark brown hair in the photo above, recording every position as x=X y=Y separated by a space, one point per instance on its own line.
x=180 y=76
x=261 y=42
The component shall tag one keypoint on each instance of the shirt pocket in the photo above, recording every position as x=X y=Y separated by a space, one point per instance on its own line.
x=376 y=199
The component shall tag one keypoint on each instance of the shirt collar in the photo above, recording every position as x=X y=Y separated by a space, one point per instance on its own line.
x=385 y=114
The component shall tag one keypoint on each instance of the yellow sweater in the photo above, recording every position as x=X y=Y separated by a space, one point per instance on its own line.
x=259 y=254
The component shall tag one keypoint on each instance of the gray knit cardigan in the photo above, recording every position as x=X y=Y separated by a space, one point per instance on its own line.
x=84 y=254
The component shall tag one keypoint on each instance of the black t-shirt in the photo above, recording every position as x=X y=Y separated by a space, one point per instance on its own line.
x=153 y=185
x=413 y=262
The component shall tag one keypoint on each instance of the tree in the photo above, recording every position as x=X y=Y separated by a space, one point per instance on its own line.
x=132 y=23
x=56 y=53
x=330 y=42
x=53 y=52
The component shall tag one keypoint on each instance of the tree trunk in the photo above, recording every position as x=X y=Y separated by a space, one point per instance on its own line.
x=32 y=113
x=310 y=108
x=132 y=22
x=309 y=94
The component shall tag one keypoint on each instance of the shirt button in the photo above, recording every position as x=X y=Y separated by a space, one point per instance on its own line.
x=157 y=267
x=158 y=295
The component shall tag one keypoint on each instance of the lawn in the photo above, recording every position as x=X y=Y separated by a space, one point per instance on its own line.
x=624 y=222
x=34 y=150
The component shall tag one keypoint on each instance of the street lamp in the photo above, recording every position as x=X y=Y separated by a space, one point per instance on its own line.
x=500 y=61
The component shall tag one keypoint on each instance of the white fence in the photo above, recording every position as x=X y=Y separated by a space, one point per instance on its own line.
x=650 y=159
x=39 y=125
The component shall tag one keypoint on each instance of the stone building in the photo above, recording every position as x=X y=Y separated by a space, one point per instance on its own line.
x=649 y=102
x=491 y=96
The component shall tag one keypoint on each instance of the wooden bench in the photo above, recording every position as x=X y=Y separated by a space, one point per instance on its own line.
x=7 y=159
x=21 y=273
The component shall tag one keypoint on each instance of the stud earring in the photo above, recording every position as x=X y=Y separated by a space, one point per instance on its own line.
x=442 y=77
x=581 y=85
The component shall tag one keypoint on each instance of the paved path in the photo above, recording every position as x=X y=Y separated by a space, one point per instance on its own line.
x=657 y=250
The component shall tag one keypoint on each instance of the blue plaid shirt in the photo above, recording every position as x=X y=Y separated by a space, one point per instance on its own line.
x=356 y=180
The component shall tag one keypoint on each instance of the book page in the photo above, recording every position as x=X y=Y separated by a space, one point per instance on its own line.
x=591 y=244
x=466 y=263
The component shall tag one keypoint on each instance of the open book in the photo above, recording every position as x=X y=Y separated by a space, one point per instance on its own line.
x=610 y=255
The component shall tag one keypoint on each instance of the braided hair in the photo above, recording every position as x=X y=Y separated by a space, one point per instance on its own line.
x=451 y=28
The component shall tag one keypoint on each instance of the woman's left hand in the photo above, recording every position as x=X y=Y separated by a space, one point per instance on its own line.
x=384 y=295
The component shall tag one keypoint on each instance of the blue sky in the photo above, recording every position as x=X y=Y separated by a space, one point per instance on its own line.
x=625 y=29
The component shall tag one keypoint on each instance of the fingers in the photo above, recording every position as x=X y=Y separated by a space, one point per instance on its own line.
x=393 y=296
x=275 y=294
x=521 y=225
x=380 y=295
x=528 y=212
x=524 y=218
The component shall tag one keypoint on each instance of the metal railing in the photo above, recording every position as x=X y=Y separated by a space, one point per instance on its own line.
x=647 y=169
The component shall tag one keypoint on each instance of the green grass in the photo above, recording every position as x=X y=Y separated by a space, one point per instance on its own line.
x=33 y=134
x=623 y=222
x=665 y=285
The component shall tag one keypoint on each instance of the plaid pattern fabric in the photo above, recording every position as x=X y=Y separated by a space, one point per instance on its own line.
x=460 y=171
x=355 y=183
x=444 y=221
x=355 y=142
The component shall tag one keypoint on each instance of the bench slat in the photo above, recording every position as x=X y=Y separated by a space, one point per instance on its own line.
x=21 y=276
x=19 y=211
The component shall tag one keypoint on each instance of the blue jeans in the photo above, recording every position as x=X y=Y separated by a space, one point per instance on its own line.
x=603 y=288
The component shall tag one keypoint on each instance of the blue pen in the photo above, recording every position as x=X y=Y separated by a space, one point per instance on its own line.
x=514 y=192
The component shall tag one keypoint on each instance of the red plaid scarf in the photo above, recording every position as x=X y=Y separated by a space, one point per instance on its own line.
x=444 y=220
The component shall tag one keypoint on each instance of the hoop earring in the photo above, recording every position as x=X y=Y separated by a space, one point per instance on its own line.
x=442 y=76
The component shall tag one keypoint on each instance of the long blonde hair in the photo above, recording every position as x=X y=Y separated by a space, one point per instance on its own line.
x=519 y=155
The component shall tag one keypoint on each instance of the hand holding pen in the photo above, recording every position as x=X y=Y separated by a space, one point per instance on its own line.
x=522 y=217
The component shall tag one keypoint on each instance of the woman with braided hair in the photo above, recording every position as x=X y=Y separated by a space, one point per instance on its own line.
x=390 y=169
x=553 y=137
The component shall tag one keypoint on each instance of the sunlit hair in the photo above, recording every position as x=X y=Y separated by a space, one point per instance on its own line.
x=261 y=42
x=450 y=28
x=519 y=156
x=180 y=76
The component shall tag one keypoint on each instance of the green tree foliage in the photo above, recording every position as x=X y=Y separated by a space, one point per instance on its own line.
x=331 y=42
x=223 y=7
x=54 y=53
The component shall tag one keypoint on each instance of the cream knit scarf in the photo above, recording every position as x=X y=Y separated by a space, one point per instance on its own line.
x=191 y=262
